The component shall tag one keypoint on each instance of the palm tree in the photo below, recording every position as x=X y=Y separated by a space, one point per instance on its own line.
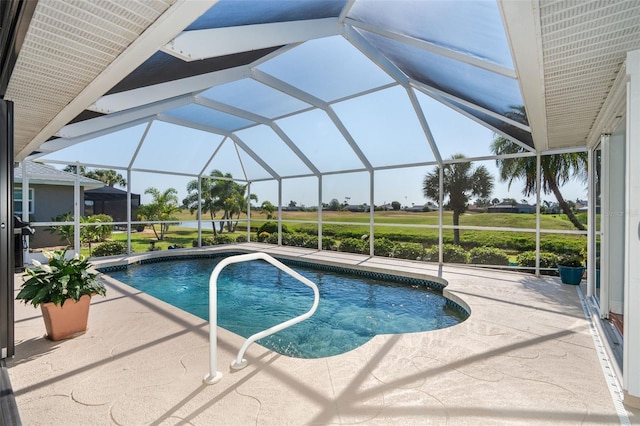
x=556 y=170
x=163 y=206
x=268 y=209
x=461 y=182
x=219 y=193
x=206 y=197
x=108 y=176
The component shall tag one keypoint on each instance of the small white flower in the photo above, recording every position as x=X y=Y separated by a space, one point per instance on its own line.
x=36 y=262
x=65 y=291
x=47 y=268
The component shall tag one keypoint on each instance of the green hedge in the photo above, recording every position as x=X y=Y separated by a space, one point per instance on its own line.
x=488 y=256
x=110 y=248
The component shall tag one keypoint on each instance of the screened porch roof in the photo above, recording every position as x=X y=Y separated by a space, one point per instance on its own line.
x=285 y=89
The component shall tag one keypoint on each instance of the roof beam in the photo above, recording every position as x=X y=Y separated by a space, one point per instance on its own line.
x=433 y=48
x=522 y=25
x=210 y=43
x=159 y=92
x=111 y=120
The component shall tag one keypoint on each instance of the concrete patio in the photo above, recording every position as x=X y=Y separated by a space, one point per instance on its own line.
x=526 y=355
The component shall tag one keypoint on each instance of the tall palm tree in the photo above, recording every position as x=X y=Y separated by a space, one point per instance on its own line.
x=556 y=170
x=461 y=182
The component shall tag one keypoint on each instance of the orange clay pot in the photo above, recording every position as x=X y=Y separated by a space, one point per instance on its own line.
x=68 y=320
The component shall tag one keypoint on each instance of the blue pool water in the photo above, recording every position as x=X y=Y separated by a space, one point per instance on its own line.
x=254 y=296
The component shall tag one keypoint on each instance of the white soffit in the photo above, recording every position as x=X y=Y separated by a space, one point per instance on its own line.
x=584 y=46
x=75 y=51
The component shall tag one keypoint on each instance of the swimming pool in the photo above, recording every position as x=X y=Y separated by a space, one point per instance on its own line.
x=254 y=296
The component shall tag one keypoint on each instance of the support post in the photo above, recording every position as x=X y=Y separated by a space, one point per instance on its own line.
x=6 y=230
x=631 y=351
x=538 y=185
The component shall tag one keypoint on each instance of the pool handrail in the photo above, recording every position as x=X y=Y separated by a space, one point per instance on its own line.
x=214 y=376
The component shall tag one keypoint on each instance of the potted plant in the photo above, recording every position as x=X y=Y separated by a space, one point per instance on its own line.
x=571 y=269
x=63 y=289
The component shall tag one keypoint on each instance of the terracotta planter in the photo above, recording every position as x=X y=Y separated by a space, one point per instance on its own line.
x=68 y=320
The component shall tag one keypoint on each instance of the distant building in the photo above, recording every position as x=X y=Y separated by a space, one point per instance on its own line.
x=511 y=208
x=111 y=201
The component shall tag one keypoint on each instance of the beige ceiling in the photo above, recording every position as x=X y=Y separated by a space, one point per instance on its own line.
x=584 y=45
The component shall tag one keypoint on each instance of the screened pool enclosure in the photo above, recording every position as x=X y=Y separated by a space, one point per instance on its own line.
x=335 y=100
x=354 y=118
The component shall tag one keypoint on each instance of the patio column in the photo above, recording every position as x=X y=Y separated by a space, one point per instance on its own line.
x=129 y=211
x=279 y=212
x=371 y=213
x=319 y=212
x=6 y=230
x=76 y=211
x=631 y=354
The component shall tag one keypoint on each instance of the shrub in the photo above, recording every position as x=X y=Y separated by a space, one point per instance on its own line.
x=206 y=241
x=224 y=239
x=413 y=251
x=383 y=247
x=488 y=256
x=310 y=242
x=96 y=232
x=354 y=245
x=295 y=240
x=241 y=238
x=264 y=236
x=272 y=239
x=452 y=253
x=328 y=243
x=110 y=248
x=547 y=260
x=272 y=228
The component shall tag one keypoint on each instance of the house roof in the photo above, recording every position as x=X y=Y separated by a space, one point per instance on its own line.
x=39 y=173
x=107 y=193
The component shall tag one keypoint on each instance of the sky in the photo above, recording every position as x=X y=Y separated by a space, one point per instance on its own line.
x=383 y=125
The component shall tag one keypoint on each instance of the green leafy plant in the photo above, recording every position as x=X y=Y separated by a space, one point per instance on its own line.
x=488 y=256
x=59 y=280
x=272 y=228
x=383 y=247
x=412 y=251
x=570 y=260
x=354 y=245
x=110 y=248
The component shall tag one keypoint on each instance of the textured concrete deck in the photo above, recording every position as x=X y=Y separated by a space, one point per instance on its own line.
x=525 y=356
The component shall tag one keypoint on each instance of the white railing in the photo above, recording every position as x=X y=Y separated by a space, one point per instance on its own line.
x=214 y=376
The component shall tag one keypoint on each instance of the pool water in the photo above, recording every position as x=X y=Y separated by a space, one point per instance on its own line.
x=254 y=296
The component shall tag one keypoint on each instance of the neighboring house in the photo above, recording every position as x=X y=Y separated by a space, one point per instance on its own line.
x=355 y=208
x=50 y=195
x=511 y=208
x=418 y=208
x=111 y=201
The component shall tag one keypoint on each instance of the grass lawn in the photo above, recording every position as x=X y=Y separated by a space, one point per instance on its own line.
x=391 y=225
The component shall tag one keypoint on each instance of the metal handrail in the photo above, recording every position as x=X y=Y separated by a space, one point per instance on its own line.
x=214 y=376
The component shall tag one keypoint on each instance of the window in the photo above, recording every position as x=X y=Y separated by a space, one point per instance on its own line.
x=17 y=201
